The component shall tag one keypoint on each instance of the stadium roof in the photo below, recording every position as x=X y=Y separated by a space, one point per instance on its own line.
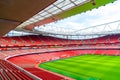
x=15 y=12
x=52 y=11
x=62 y=9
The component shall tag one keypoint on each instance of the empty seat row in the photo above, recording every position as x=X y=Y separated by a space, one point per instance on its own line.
x=34 y=40
x=10 y=72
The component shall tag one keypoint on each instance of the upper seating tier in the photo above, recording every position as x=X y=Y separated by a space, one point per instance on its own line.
x=38 y=40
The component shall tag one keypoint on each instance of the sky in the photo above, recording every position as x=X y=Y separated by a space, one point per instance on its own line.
x=103 y=14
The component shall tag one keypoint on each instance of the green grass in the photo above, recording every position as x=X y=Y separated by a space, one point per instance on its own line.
x=87 y=67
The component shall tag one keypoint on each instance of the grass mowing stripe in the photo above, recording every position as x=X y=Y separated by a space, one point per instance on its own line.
x=106 y=63
x=64 y=72
x=92 y=63
x=96 y=66
x=86 y=68
x=99 y=58
x=72 y=69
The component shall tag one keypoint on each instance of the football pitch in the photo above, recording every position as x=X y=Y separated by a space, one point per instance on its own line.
x=87 y=67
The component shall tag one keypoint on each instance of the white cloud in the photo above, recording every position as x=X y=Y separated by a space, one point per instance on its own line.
x=104 y=14
x=75 y=26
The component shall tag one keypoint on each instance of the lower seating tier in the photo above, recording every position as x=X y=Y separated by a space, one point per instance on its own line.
x=10 y=72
